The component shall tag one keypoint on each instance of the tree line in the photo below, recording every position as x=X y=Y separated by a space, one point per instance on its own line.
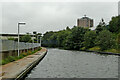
x=103 y=38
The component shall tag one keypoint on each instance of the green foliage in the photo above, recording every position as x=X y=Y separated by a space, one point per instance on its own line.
x=34 y=32
x=26 y=38
x=62 y=36
x=105 y=40
x=89 y=39
x=118 y=40
x=14 y=58
x=114 y=24
x=83 y=48
x=112 y=50
x=55 y=39
x=11 y=38
x=105 y=37
x=101 y=26
x=75 y=39
x=96 y=48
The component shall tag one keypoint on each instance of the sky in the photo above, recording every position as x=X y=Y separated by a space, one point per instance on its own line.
x=119 y=8
x=53 y=16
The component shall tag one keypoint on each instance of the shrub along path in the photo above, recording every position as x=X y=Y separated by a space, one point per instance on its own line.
x=13 y=69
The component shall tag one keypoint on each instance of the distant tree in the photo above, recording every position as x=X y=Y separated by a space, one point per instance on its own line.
x=40 y=34
x=46 y=38
x=28 y=33
x=53 y=40
x=25 y=38
x=62 y=36
x=76 y=38
x=11 y=38
x=89 y=39
x=118 y=41
x=34 y=32
x=67 y=28
x=105 y=40
x=114 y=24
x=101 y=26
x=102 y=22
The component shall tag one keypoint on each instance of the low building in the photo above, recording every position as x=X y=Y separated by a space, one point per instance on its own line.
x=85 y=22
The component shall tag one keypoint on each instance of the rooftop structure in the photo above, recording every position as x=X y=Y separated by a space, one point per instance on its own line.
x=85 y=22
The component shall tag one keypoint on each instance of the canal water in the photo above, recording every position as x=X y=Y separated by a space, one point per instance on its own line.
x=75 y=64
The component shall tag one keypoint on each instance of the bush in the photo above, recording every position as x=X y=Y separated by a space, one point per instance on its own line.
x=118 y=41
x=25 y=54
x=89 y=39
x=105 y=40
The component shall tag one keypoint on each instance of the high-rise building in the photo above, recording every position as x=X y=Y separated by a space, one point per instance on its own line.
x=119 y=8
x=85 y=22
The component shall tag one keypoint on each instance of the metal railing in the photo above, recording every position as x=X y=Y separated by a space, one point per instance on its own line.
x=13 y=45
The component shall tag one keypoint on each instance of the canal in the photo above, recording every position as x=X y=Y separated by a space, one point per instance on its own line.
x=60 y=63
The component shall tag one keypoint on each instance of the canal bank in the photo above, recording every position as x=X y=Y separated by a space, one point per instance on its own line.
x=100 y=52
x=18 y=69
x=96 y=52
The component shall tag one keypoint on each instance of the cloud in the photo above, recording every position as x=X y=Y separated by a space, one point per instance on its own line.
x=46 y=16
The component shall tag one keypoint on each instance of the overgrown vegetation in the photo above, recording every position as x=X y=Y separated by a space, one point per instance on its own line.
x=103 y=38
x=14 y=58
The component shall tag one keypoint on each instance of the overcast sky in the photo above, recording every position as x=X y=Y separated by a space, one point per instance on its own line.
x=53 y=16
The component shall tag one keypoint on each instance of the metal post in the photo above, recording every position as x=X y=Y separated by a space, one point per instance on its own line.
x=37 y=38
x=18 y=41
x=33 y=43
x=40 y=41
x=22 y=23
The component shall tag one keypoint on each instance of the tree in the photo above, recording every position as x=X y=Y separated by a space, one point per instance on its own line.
x=114 y=24
x=118 y=40
x=101 y=26
x=34 y=32
x=46 y=38
x=40 y=34
x=62 y=36
x=67 y=28
x=75 y=38
x=89 y=39
x=25 y=38
x=105 y=40
x=53 y=40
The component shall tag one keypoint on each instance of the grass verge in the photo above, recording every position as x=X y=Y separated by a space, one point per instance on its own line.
x=14 y=58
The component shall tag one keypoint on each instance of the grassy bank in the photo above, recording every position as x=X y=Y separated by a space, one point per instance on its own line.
x=97 y=48
x=14 y=58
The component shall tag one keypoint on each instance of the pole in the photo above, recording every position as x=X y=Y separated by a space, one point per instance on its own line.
x=33 y=43
x=37 y=38
x=40 y=41
x=19 y=36
x=18 y=41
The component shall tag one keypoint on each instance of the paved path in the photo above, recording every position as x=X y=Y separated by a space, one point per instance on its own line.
x=13 y=69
